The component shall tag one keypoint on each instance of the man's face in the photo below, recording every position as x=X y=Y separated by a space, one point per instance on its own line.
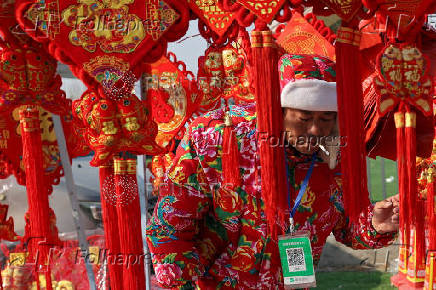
x=305 y=130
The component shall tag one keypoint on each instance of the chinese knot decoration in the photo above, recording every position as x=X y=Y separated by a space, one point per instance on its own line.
x=114 y=126
x=403 y=77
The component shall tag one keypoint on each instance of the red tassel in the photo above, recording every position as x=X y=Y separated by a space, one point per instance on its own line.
x=350 y=115
x=410 y=140
x=110 y=224
x=269 y=124
x=230 y=157
x=37 y=196
x=431 y=209
x=129 y=224
x=402 y=177
x=420 y=232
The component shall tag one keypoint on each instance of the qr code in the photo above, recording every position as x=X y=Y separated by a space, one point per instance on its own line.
x=296 y=260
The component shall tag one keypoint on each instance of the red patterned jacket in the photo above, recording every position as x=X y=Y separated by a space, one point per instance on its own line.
x=202 y=233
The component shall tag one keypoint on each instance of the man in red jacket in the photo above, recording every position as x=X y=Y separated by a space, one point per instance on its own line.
x=203 y=233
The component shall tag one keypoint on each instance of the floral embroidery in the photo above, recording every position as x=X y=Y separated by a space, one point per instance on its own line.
x=224 y=238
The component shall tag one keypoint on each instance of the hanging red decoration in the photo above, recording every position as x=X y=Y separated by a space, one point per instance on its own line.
x=28 y=76
x=403 y=77
x=265 y=63
x=173 y=94
x=95 y=44
x=129 y=213
x=350 y=115
x=114 y=126
x=225 y=73
x=39 y=221
x=215 y=18
x=265 y=10
x=247 y=12
x=344 y=9
x=6 y=225
x=301 y=37
x=158 y=166
x=106 y=49
x=110 y=224
x=401 y=19
x=27 y=72
x=11 y=146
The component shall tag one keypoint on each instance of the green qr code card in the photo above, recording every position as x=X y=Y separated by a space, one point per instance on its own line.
x=297 y=261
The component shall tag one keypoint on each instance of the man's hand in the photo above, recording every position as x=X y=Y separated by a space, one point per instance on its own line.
x=386 y=216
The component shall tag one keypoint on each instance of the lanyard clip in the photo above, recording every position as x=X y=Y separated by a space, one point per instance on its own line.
x=291 y=225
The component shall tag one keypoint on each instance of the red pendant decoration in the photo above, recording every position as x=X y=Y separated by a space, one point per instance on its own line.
x=403 y=77
x=6 y=225
x=114 y=126
x=211 y=14
x=28 y=77
x=39 y=216
x=105 y=45
x=401 y=19
x=95 y=37
x=265 y=10
x=225 y=73
x=158 y=166
x=301 y=37
x=173 y=94
x=344 y=9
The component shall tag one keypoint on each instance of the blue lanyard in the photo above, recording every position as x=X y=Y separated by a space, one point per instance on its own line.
x=302 y=188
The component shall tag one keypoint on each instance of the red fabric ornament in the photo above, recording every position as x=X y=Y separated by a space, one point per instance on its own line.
x=265 y=10
x=344 y=9
x=403 y=77
x=173 y=94
x=105 y=49
x=266 y=83
x=158 y=167
x=301 y=37
x=6 y=225
x=402 y=19
x=403 y=84
x=225 y=73
x=247 y=12
x=210 y=77
x=27 y=71
x=112 y=40
x=238 y=73
x=215 y=18
x=380 y=131
x=114 y=126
